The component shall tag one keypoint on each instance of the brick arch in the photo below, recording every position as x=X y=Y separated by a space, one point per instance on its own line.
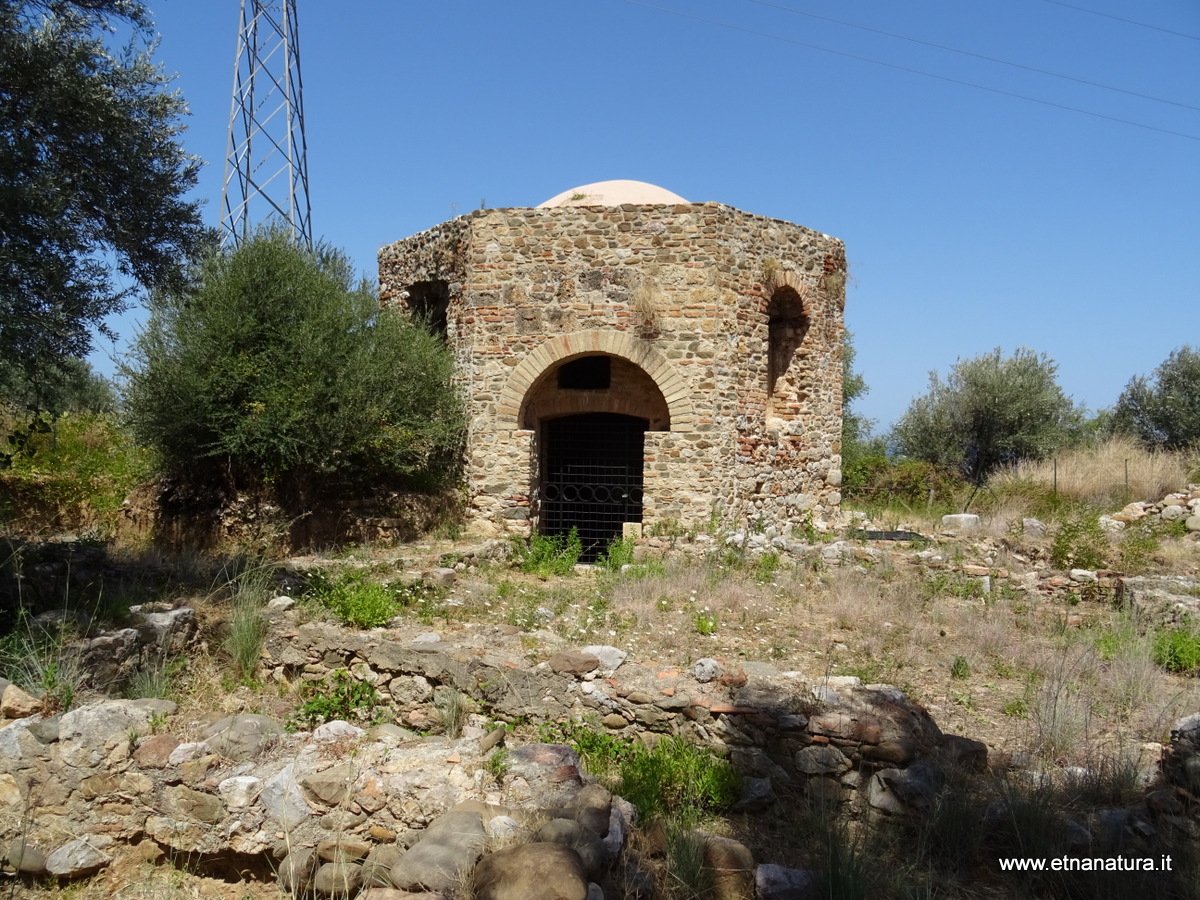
x=674 y=389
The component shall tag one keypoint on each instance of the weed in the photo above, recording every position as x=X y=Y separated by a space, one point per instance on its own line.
x=1178 y=649
x=619 y=553
x=1079 y=541
x=705 y=623
x=766 y=566
x=689 y=875
x=153 y=680
x=548 y=554
x=342 y=696
x=41 y=660
x=247 y=629
x=496 y=764
x=960 y=668
x=353 y=598
x=453 y=708
x=677 y=780
x=1018 y=708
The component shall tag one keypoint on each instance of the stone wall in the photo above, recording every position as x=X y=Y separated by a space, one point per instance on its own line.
x=681 y=292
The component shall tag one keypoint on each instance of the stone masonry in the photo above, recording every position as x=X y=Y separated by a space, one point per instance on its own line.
x=724 y=332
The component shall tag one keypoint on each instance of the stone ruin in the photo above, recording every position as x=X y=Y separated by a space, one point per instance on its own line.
x=634 y=360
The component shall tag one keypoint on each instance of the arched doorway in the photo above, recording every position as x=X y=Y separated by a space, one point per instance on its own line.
x=591 y=477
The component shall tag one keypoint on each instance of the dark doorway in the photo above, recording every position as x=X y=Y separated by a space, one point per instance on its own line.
x=592 y=477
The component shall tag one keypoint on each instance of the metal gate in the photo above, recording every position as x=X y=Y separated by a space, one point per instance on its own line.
x=591 y=477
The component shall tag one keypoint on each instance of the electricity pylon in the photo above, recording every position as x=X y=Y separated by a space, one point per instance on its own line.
x=266 y=165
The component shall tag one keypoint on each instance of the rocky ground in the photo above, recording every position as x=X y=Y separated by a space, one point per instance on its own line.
x=839 y=672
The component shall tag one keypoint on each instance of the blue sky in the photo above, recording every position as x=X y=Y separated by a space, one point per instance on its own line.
x=973 y=218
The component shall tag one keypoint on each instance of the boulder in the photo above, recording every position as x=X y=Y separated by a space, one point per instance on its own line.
x=531 y=872
x=75 y=859
x=447 y=850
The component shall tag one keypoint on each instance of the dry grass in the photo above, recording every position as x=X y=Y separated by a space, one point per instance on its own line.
x=1097 y=475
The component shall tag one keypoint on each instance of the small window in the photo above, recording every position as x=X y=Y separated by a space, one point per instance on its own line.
x=589 y=373
x=429 y=303
x=787 y=324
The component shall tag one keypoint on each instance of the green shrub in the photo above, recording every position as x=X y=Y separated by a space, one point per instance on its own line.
x=766 y=565
x=274 y=366
x=619 y=553
x=548 y=554
x=69 y=471
x=354 y=598
x=1079 y=542
x=41 y=661
x=991 y=411
x=960 y=668
x=705 y=623
x=1178 y=649
x=342 y=697
x=247 y=628
x=677 y=780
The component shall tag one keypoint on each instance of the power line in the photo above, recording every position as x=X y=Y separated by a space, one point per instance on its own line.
x=1094 y=12
x=910 y=70
x=991 y=59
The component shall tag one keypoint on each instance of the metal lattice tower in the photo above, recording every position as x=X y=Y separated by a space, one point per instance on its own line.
x=266 y=165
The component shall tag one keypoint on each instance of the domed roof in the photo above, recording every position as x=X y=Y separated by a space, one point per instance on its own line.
x=613 y=193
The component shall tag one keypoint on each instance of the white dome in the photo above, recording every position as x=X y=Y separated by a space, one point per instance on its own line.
x=613 y=193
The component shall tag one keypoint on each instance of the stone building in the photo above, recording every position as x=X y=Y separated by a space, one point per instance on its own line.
x=630 y=357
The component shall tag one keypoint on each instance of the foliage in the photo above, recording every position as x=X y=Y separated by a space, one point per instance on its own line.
x=65 y=385
x=960 y=668
x=766 y=565
x=548 y=554
x=910 y=482
x=705 y=623
x=1178 y=649
x=247 y=628
x=860 y=452
x=41 y=660
x=354 y=598
x=673 y=780
x=991 y=411
x=619 y=553
x=78 y=468
x=677 y=780
x=272 y=364
x=94 y=175
x=1163 y=412
x=340 y=697
x=1079 y=542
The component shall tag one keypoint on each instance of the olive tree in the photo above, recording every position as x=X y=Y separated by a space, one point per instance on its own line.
x=275 y=365
x=1163 y=411
x=990 y=411
x=93 y=178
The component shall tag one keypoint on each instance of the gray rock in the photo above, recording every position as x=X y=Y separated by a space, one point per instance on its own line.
x=961 y=522
x=821 y=759
x=241 y=737
x=338 y=879
x=757 y=794
x=99 y=724
x=76 y=859
x=707 y=669
x=298 y=868
x=900 y=790
x=283 y=799
x=610 y=657
x=330 y=786
x=772 y=882
x=552 y=771
x=531 y=872
x=582 y=840
x=25 y=857
x=450 y=846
